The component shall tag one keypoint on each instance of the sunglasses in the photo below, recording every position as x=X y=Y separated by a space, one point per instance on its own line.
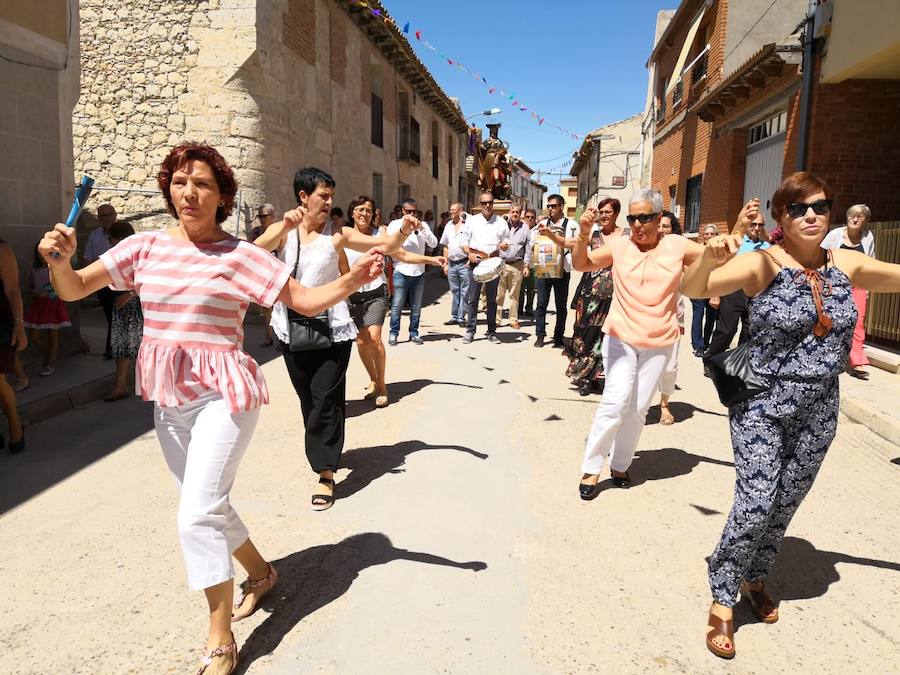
x=553 y=206
x=485 y=203
x=820 y=208
x=410 y=212
x=644 y=218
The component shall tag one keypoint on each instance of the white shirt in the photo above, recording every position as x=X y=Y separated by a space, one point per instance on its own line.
x=353 y=256
x=483 y=234
x=415 y=243
x=834 y=239
x=451 y=238
x=570 y=231
x=97 y=243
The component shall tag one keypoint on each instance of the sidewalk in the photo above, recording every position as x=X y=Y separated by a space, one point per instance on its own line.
x=873 y=402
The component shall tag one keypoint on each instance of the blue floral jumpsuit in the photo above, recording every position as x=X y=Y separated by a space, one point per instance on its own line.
x=780 y=437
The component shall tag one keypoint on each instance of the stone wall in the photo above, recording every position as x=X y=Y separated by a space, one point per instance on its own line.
x=273 y=84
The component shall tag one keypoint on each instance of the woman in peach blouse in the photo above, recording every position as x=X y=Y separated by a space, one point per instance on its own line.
x=641 y=331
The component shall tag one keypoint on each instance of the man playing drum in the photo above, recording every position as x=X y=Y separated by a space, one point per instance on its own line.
x=482 y=239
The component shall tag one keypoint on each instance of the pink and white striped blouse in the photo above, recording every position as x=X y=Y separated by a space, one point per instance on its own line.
x=194 y=297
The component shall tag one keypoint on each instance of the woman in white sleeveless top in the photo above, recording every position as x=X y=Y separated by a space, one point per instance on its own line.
x=370 y=304
x=319 y=376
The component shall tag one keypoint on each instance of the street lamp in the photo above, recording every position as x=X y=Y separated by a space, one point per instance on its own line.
x=488 y=113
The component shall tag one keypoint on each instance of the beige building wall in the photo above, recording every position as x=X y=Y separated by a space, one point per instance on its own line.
x=568 y=188
x=610 y=165
x=863 y=41
x=273 y=84
x=38 y=90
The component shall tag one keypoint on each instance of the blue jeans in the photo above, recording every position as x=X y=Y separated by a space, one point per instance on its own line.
x=701 y=332
x=413 y=287
x=459 y=277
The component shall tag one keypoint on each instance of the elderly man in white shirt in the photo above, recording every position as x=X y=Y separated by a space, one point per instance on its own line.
x=409 y=279
x=484 y=236
x=459 y=276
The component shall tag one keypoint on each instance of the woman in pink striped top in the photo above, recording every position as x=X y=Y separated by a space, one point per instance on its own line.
x=195 y=283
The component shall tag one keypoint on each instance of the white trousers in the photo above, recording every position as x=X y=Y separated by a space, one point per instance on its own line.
x=203 y=443
x=669 y=376
x=632 y=379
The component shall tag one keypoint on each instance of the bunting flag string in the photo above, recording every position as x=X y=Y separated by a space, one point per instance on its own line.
x=492 y=89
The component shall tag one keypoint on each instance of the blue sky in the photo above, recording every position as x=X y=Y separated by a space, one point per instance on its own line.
x=579 y=63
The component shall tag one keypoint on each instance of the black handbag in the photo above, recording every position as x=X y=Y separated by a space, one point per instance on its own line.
x=734 y=377
x=307 y=333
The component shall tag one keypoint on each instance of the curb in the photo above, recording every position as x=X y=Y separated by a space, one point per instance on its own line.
x=876 y=421
x=55 y=404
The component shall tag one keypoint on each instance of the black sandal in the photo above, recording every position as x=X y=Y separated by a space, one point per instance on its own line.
x=322 y=502
x=587 y=491
x=623 y=482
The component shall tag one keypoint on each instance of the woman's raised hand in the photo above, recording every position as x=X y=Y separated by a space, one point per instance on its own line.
x=368 y=266
x=587 y=220
x=722 y=248
x=747 y=215
x=58 y=245
x=294 y=218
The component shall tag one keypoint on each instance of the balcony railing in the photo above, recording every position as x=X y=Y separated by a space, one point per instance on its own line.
x=688 y=86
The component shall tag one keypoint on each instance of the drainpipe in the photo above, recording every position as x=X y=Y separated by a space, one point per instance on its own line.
x=806 y=87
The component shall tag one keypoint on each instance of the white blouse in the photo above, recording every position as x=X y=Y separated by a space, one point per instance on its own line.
x=318 y=266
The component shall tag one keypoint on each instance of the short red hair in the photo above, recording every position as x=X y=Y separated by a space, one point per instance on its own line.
x=795 y=188
x=613 y=202
x=184 y=153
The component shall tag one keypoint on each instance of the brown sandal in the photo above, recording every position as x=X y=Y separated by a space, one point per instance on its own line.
x=719 y=627
x=229 y=651
x=760 y=600
x=250 y=584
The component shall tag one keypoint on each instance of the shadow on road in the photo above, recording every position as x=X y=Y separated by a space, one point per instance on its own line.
x=369 y=464
x=666 y=463
x=315 y=577
x=803 y=572
x=397 y=391
x=680 y=411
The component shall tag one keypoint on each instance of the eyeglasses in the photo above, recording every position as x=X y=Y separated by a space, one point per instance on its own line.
x=410 y=212
x=799 y=209
x=266 y=215
x=644 y=218
x=486 y=203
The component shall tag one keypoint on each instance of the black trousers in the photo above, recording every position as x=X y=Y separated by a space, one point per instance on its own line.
x=320 y=380
x=107 y=298
x=560 y=288
x=732 y=308
x=474 y=295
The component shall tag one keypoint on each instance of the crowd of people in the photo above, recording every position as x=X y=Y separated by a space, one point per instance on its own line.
x=177 y=300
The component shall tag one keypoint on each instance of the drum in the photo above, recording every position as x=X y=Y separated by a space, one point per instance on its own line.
x=547 y=258
x=487 y=270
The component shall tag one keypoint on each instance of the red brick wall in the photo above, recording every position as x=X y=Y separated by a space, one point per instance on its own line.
x=855 y=147
x=298 y=29
x=723 y=181
x=337 y=38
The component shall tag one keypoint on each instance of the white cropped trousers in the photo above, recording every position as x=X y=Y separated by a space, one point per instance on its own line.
x=203 y=443
x=632 y=380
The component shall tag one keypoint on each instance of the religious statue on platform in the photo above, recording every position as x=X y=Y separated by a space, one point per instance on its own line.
x=493 y=172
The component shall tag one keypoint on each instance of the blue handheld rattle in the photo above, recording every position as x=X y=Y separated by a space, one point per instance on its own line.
x=82 y=192
x=81 y=196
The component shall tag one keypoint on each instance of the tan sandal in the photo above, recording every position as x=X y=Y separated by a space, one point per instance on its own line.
x=761 y=603
x=665 y=417
x=249 y=585
x=228 y=662
x=370 y=392
x=381 y=401
x=719 y=627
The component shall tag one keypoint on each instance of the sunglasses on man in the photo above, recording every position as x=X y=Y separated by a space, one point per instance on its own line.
x=819 y=207
x=644 y=218
x=486 y=203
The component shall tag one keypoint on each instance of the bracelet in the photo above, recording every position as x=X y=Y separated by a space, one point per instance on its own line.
x=21 y=321
x=584 y=237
